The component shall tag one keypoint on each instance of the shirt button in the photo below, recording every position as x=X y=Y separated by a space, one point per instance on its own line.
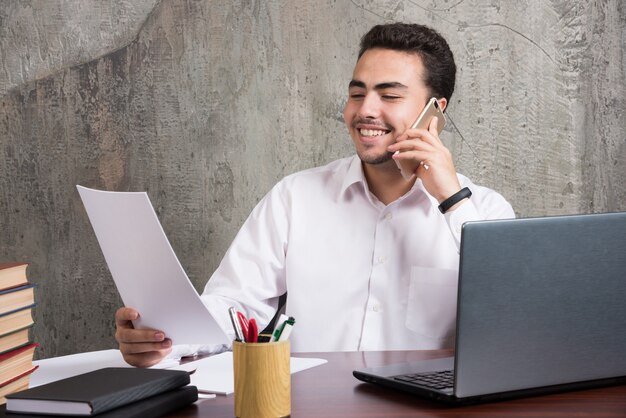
x=382 y=259
x=376 y=308
x=388 y=216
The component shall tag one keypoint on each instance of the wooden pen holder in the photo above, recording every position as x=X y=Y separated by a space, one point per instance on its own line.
x=262 y=379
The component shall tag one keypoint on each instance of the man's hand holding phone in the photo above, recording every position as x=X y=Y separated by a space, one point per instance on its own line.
x=419 y=151
x=433 y=109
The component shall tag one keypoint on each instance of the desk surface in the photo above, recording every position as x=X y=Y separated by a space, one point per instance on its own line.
x=330 y=390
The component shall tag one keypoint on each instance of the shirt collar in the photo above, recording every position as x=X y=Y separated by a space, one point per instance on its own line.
x=420 y=186
x=354 y=175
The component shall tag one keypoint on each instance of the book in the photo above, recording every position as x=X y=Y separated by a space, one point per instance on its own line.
x=12 y=275
x=96 y=392
x=16 y=362
x=152 y=407
x=15 y=384
x=13 y=321
x=13 y=339
x=15 y=298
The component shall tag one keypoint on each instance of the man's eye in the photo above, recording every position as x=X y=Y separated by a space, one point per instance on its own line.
x=391 y=98
x=356 y=96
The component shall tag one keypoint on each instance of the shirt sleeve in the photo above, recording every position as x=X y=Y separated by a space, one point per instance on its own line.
x=251 y=276
x=483 y=205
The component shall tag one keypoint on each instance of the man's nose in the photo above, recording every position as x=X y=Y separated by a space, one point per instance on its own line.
x=370 y=106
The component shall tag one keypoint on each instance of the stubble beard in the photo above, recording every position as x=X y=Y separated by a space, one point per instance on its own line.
x=375 y=159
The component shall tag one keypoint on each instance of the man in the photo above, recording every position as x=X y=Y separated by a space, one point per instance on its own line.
x=367 y=258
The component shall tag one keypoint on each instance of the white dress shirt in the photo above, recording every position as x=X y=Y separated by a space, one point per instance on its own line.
x=360 y=275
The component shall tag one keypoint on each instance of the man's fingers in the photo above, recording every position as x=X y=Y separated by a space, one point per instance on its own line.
x=131 y=335
x=411 y=145
x=432 y=127
x=140 y=347
x=412 y=155
x=125 y=315
x=143 y=348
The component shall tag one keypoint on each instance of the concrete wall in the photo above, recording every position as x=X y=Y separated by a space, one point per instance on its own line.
x=206 y=104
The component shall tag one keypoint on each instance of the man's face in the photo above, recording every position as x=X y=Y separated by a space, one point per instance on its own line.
x=385 y=96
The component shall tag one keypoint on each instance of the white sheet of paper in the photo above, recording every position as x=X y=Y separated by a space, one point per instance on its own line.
x=146 y=271
x=215 y=374
x=58 y=368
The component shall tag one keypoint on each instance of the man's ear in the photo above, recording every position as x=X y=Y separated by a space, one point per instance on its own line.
x=443 y=102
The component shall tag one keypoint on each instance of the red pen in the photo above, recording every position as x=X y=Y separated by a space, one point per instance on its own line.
x=243 y=321
x=253 y=331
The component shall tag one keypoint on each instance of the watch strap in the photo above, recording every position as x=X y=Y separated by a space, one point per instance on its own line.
x=454 y=199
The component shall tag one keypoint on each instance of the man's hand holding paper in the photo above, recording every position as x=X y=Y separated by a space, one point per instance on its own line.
x=140 y=347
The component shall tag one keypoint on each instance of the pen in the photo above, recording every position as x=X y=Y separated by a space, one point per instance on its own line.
x=236 y=326
x=287 y=327
x=253 y=331
x=243 y=323
x=280 y=326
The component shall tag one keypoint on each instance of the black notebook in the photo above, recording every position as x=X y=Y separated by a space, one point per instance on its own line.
x=152 y=407
x=96 y=392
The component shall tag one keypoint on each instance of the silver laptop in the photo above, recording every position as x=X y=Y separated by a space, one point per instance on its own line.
x=541 y=308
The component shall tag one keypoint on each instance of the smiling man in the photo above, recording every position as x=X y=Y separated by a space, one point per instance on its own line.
x=368 y=259
x=388 y=90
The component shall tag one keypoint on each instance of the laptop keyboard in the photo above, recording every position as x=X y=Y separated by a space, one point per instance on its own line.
x=434 y=380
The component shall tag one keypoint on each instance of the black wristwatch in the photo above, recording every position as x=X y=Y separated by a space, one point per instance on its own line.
x=454 y=199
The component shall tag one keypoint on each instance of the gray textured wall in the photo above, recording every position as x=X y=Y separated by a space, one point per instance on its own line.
x=206 y=104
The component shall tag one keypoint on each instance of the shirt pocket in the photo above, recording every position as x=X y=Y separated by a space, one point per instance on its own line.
x=431 y=309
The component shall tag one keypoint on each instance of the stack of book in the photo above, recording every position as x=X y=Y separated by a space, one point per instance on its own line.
x=17 y=298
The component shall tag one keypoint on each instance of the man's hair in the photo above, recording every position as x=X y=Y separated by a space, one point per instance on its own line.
x=431 y=47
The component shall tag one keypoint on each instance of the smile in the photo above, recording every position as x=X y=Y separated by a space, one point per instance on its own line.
x=372 y=132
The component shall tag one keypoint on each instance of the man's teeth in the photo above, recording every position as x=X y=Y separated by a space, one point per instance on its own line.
x=372 y=132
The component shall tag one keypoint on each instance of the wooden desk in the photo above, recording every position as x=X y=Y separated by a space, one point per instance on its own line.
x=330 y=390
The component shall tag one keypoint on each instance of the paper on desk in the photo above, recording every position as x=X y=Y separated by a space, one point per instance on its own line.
x=63 y=367
x=212 y=374
x=57 y=368
x=215 y=374
x=147 y=273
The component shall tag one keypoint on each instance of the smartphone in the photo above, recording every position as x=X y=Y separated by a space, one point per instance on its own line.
x=432 y=108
